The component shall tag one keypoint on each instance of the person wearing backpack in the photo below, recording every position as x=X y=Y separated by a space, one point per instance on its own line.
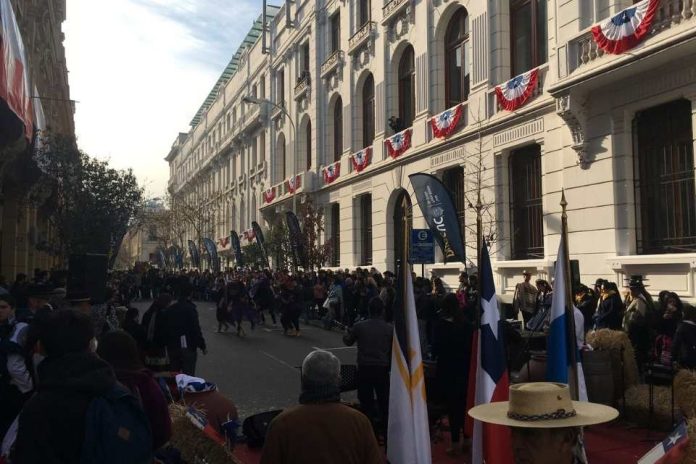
x=79 y=413
x=16 y=382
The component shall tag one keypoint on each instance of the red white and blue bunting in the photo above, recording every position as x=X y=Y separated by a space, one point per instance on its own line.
x=269 y=195
x=445 y=123
x=399 y=143
x=331 y=172
x=626 y=29
x=249 y=235
x=361 y=159
x=517 y=91
x=293 y=184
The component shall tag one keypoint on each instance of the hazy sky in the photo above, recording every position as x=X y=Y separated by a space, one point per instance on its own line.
x=140 y=69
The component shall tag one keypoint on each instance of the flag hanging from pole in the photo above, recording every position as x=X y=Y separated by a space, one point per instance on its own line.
x=491 y=443
x=561 y=339
x=408 y=432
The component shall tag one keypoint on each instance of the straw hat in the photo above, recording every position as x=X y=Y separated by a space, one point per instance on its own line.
x=542 y=405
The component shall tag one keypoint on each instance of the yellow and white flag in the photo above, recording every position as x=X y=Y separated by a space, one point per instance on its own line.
x=408 y=433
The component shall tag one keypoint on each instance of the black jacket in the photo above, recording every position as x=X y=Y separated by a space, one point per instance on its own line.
x=52 y=423
x=182 y=320
x=684 y=345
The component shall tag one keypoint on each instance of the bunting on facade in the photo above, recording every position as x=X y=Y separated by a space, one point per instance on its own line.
x=361 y=159
x=331 y=172
x=269 y=195
x=249 y=235
x=445 y=123
x=398 y=143
x=514 y=93
x=293 y=184
x=223 y=243
x=627 y=28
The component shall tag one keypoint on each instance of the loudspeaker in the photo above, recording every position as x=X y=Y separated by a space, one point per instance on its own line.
x=88 y=273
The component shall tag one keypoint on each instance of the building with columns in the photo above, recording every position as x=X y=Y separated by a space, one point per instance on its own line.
x=362 y=81
x=35 y=100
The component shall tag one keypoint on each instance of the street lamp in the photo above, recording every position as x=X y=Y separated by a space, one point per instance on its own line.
x=293 y=168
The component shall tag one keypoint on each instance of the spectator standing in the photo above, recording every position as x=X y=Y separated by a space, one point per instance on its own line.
x=374 y=338
x=609 y=315
x=524 y=299
x=155 y=325
x=184 y=337
x=684 y=345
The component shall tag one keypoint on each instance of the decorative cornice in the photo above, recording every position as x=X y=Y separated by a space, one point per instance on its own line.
x=573 y=113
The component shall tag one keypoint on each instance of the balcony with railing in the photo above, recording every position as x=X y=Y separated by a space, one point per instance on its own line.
x=393 y=8
x=281 y=191
x=674 y=21
x=302 y=86
x=361 y=37
x=493 y=106
x=331 y=63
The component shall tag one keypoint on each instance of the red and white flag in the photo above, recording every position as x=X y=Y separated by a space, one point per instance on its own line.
x=672 y=450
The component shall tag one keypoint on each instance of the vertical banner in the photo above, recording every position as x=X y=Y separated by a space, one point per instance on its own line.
x=179 y=258
x=212 y=253
x=195 y=256
x=237 y=248
x=162 y=258
x=438 y=209
x=260 y=241
x=296 y=238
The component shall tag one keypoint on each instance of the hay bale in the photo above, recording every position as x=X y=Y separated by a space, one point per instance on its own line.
x=685 y=392
x=615 y=341
x=192 y=442
x=638 y=407
x=691 y=451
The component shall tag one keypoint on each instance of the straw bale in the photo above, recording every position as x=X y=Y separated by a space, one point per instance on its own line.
x=638 y=407
x=685 y=392
x=614 y=340
x=691 y=451
x=192 y=442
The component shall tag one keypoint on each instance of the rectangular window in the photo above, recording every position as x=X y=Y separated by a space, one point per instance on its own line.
x=529 y=38
x=526 y=214
x=262 y=87
x=363 y=12
x=254 y=91
x=280 y=87
x=665 y=189
x=335 y=235
x=305 y=59
x=366 y=230
x=262 y=147
x=453 y=179
x=335 y=32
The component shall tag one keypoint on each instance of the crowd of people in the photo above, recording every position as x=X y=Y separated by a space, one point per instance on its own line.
x=61 y=347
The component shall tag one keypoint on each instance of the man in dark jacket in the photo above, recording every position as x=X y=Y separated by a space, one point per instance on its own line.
x=684 y=345
x=184 y=336
x=610 y=312
x=52 y=424
x=374 y=337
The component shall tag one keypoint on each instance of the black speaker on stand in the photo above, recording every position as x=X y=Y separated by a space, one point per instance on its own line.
x=88 y=272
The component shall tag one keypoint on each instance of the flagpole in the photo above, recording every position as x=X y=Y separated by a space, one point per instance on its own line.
x=569 y=307
x=479 y=245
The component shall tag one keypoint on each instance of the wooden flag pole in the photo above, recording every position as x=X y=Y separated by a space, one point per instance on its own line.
x=479 y=245
x=569 y=306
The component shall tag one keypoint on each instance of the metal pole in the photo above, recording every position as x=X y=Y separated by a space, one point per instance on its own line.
x=264 y=50
x=569 y=309
x=479 y=246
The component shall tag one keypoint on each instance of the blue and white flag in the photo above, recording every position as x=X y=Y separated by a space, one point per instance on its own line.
x=561 y=339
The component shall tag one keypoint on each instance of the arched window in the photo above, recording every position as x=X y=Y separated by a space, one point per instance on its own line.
x=407 y=88
x=280 y=159
x=368 y=111
x=456 y=69
x=308 y=144
x=338 y=129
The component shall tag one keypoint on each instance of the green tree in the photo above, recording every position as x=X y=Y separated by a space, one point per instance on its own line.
x=253 y=256
x=278 y=243
x=312 y=221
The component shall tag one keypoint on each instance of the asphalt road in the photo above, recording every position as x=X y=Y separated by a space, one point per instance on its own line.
x=260 y=372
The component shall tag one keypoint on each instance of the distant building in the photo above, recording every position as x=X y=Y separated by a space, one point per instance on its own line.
x=36 y=100
x=616 y=131
x=143 y=240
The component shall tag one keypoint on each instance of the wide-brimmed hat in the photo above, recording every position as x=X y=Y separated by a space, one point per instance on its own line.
x=543 y=405
x=636 y=281
x=44 y=291
x=78 y=296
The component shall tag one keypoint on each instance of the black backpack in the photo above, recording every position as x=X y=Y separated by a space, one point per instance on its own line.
x=255 y=427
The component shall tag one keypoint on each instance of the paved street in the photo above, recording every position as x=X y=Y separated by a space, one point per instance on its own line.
x=259 y=372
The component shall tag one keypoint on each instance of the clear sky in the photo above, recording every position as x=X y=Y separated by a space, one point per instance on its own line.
x=140 y=69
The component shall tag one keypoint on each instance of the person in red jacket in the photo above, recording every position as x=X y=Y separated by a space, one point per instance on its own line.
x=120 y=350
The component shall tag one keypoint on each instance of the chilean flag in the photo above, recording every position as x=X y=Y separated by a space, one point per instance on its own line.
x=331 y=172
x=269 y=195
x=399 y=143
x=517 y=91
x=445 y=123
x=491 y=443
x=672 y=450
x=293 y=184
x=14 y=80
x=361 y=159
x=626 y=29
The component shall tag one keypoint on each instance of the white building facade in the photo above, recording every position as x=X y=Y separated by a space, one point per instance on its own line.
x=615 y=131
